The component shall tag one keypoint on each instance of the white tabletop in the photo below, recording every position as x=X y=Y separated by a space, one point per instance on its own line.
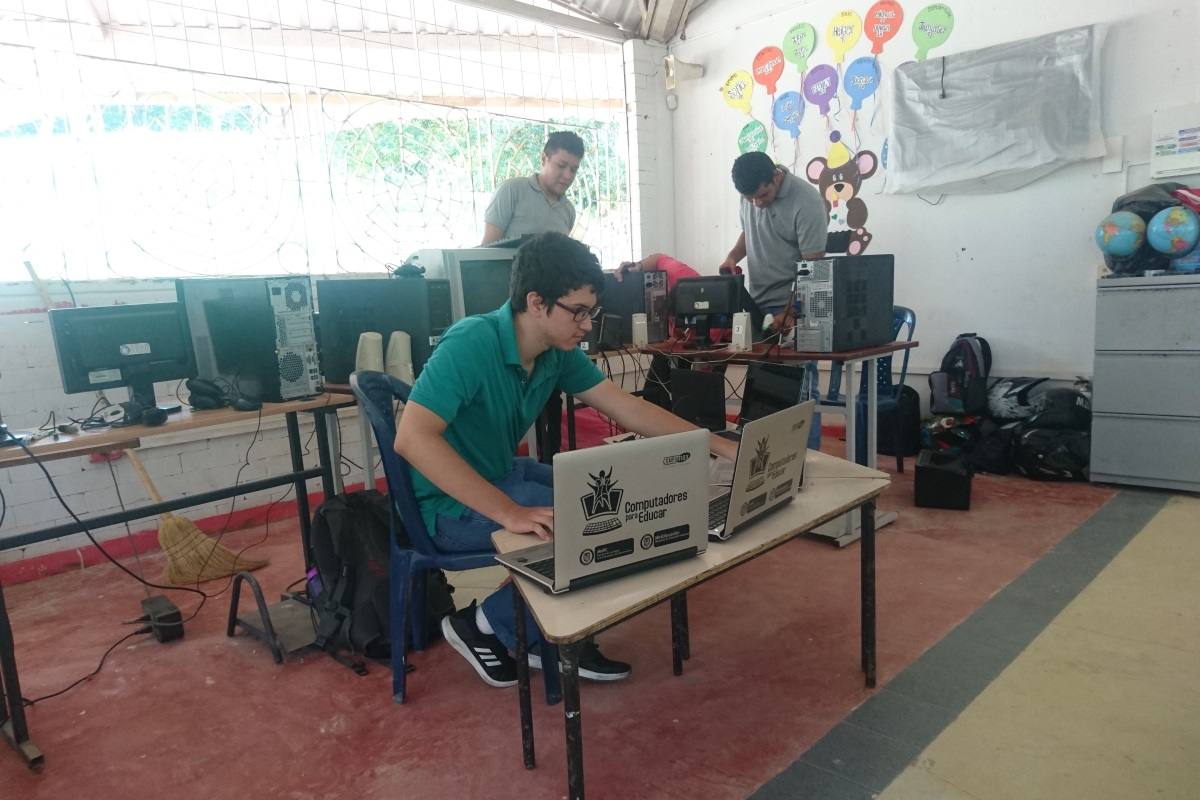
x=832 y=486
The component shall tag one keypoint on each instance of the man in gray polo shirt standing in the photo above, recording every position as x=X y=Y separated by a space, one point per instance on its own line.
x=537 y=203
x=783 y=221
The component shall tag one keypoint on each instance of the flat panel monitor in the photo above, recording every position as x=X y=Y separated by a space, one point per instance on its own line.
x=350 y=307
x=133 y=346
x=706 y=301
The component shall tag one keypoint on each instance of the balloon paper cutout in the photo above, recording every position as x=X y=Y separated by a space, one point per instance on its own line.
x=820 y=87
x=799 y=43
x=768 y=67
x=753 y=137
x=861 y=80
x=932 y=28
x=788 y=112
x=882 y=23
x=737 y=91
x=844 y=31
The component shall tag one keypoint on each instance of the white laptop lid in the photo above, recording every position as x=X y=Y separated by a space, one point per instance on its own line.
x=770 y=463
x=620 y=504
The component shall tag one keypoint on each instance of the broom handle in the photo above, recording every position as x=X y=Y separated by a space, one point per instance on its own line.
x=140 y=469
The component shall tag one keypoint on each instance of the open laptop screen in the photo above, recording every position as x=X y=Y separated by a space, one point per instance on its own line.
x=770 y=388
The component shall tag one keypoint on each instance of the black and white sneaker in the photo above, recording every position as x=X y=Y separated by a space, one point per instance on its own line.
x=593 y=665
x=483 y=651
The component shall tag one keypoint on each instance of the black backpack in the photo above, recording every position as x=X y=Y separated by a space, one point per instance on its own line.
x=350 y=592
x=961 y=385
x=1052 y=454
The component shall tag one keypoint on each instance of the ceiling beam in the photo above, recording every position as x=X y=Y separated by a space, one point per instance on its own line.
x=515 y=8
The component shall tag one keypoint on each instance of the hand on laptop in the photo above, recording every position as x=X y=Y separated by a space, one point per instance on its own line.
x=538 y=520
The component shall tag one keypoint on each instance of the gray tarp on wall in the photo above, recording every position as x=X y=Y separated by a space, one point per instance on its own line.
x=1011 y=114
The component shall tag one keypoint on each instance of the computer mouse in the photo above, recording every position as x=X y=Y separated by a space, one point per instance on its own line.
x=244 y=404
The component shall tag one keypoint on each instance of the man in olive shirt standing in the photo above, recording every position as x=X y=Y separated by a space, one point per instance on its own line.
x=783 y=221
x=537 y=203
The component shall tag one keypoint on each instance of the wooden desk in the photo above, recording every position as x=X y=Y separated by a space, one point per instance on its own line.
x=13 y=725
x=832 y=487
x=845 y=531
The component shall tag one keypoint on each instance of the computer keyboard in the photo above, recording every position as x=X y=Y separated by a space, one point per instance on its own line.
x=545 y=568
x=718 y=511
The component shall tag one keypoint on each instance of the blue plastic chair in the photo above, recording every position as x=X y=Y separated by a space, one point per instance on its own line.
x=377 y=395
x=887 y=391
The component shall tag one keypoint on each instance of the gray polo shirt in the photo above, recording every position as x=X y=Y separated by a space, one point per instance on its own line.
x=519 y=206
x=795 y=223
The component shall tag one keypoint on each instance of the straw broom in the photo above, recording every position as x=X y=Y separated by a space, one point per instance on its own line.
x=192 y=556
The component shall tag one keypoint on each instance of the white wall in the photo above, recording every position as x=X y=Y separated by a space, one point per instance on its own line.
x=1018 y=267
x=651 y=134
x=180 y=464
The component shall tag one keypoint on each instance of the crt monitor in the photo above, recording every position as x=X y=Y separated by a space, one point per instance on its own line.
x=105 y=347
x=485 y=284
x=479 y=276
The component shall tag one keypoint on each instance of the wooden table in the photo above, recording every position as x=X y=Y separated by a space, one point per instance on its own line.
x=844 y=531
x=832 y=487
x=13 y=725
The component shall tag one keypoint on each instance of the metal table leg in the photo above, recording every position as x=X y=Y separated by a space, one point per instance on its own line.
x=328 y=468
x=523 y=700
x=867 y=579
x=364 y=431
x=573 y=718
x=12 y=708
x=301 y=486
x=335 y=447
x=679 y=633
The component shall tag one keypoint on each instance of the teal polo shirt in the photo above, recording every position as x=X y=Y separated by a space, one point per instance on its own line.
x=475 y=382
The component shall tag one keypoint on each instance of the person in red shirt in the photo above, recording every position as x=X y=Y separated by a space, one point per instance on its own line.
x=658 y=262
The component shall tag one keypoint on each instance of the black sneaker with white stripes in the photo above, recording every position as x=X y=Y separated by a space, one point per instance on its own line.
x=483 y=651
x=593 y=665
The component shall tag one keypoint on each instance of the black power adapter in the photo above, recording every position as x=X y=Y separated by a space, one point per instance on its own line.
x=165 y=620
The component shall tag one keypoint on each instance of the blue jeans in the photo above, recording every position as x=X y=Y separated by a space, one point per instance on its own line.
x=529 y=484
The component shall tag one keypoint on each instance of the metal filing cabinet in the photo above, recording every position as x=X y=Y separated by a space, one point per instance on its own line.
x=1146 y=403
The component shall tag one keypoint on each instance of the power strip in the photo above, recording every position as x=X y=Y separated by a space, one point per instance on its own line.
x=165 y=620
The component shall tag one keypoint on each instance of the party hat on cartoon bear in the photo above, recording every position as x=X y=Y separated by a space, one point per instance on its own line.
x=839 y=154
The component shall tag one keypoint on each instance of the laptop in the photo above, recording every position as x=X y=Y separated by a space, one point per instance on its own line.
x=769 y=388
x=619 y=509
x=767 y=473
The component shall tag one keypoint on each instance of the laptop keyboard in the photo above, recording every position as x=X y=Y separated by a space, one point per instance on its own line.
x=545 y=568
x=718 y=511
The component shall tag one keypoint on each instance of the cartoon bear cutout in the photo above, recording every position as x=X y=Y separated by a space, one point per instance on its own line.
x=839 y=180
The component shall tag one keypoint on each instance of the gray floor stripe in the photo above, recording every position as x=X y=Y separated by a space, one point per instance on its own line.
x=866 y=751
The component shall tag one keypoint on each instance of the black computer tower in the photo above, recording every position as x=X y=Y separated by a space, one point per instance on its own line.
x=253 y=336
x=844 y=303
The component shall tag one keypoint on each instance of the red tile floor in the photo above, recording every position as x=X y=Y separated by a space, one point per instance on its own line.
x=774 y=665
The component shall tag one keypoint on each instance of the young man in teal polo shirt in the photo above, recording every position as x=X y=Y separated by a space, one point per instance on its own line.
x=486 y=382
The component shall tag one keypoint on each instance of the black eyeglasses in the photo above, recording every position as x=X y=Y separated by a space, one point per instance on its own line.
x=580 y=313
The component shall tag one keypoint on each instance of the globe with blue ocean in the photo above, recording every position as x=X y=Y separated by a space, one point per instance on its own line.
x=1120 y=234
